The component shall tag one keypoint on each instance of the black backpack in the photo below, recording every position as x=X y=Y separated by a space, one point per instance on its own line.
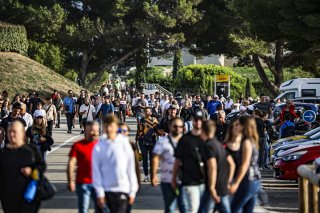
x=288 y=131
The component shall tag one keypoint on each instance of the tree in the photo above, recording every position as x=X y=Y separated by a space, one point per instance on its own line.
x=177 y=63
x=248 y=88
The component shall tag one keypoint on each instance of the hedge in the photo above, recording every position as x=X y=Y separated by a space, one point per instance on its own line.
x=13 y=38
x=201 y=77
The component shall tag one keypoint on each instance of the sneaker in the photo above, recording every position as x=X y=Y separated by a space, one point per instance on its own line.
x=82 y=132
x=73 y=126
x=146 y=179
x=69 y=132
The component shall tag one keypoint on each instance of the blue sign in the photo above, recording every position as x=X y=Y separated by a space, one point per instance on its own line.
x=309 y=116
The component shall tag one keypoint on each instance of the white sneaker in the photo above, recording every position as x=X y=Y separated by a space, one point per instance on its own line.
x=146 y=179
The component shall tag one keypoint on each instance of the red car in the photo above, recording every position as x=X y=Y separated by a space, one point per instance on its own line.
x=286 y=166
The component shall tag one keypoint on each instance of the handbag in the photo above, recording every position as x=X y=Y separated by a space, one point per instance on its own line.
x=84 y=120
x=46 y=190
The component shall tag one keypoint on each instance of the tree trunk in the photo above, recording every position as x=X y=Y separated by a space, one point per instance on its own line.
x=264 y=78
x=278 y=77
x=103 y=69
x=141 y=61
x=84 y=67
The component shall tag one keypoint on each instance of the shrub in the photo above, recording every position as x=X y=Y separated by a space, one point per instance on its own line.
x=200 y=78
x=13 y=38
x=46 y=54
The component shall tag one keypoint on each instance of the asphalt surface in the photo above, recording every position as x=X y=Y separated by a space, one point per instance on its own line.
x=282 y=196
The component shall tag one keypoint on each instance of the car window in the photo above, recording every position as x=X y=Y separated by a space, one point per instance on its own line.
x=289 y=95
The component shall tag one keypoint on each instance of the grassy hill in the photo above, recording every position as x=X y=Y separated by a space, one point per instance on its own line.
x=21 y=74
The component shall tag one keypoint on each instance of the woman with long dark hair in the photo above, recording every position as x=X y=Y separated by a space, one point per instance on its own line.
x=18 y=160
x=246 y=183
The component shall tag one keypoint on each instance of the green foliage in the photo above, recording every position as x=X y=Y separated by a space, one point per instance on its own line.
x=177 y=63
x=71 y=74
x=46 y=54
x=193 y=77
x=13 y=38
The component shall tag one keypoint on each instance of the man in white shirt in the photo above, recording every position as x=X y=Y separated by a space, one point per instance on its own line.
x=163 y=102
x=113 y=169
x=163 y=152
x=26 y=116
x=228 y=105
x=87 y=111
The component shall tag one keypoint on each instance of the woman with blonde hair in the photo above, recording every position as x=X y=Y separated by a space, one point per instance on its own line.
x=246 y=183
x=39 y=135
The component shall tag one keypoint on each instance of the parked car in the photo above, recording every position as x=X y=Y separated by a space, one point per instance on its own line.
x=286 y=166
x=313 y=139
x=299 y=106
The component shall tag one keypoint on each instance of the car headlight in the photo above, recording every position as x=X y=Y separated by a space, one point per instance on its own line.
x=294 y=156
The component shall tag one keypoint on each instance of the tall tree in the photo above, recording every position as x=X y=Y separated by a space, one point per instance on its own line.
x=177 y=63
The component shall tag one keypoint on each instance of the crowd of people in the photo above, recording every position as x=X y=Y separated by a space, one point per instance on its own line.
x=206 y=162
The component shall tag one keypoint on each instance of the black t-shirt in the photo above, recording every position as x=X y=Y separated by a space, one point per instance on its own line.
x=80 y=101
x=214 y=149
x=6 y=122
x=186 y=114
x=186 y=152
x=221 y=131
x=261 y=125
x=264 y=107
x=236 y=158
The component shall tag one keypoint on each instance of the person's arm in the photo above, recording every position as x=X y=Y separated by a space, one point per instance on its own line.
x=31 y=107
x=132 y=174
x=54 y=114
x=247 y=150
x=176 y=167
x=155 y=166
x=232 y=167
x=97 y=179
x=212 y=178
x=70 y=173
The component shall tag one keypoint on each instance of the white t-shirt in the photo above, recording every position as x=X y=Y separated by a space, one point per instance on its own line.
x=163 y=103
x=89 y=112
x=164 y=149
x=228 y=104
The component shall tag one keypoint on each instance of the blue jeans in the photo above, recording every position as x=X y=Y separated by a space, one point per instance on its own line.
x=171 y=199
x=207 y=204
x=192 y=196
x=86 y=192
x=266 y=154
x=245 y=198
x=188 y=126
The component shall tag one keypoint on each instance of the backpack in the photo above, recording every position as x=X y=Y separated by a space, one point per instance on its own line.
x=288 y=131
x=148 y=140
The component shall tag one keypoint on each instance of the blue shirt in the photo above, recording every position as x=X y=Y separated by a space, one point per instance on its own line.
x=70 y=102
x=212 y=106
x=106 y=109
x=284 y=125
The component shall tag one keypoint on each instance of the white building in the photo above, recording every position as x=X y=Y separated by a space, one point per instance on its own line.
x=189 y=59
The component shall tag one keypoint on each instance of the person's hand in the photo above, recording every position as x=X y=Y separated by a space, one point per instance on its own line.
x=101 y=202
x=234 y=188
x=71 y=186
x=155 y=181
x=42 y=139
x=131 y=200
x=215 y=196
x=26 y=171
x=174 y=184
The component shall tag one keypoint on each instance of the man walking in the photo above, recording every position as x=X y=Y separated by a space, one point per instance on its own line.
x=80 y=102
x=164 y=152
x=69 y=104
x=190 y=161
x=87 y=111
x=51 y=114
x=58 y=103
x=80 y=157
x=113 y=164
x=222 y=126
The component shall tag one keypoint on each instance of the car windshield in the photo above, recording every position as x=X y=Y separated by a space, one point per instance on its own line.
x=312 y=132
x=315 y=136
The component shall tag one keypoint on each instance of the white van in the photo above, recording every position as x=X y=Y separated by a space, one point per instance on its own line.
x=300 y=87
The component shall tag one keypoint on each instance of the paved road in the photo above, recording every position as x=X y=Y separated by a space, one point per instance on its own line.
x=282 y=196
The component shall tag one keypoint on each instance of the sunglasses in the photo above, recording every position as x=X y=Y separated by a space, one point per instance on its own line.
x=70 y=93
x=176 y=127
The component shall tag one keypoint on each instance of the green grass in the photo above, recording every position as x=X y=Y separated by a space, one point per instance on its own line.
x=21 y=74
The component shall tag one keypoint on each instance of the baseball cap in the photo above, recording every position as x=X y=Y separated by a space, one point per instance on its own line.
x=39 y=113
x=198 y=115
x=173 y=106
